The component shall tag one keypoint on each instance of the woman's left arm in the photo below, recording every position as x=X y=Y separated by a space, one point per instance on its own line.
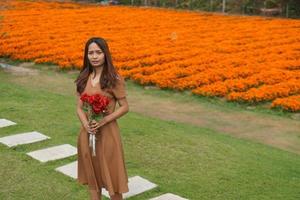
x=122 y=110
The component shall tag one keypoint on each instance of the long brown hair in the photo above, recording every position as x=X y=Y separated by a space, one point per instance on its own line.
x=109 y=73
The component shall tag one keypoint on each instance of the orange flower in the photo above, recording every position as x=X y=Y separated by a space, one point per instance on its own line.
x=240 y=58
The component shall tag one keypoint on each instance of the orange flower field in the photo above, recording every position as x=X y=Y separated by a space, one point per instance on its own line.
x=239 y=58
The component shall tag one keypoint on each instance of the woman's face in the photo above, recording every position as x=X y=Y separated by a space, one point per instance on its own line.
x=95 y=55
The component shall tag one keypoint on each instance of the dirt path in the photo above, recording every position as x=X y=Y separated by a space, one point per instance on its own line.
x=272 y=130
x=276 y=131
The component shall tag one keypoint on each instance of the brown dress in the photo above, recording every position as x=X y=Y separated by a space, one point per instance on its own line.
x=107 y=169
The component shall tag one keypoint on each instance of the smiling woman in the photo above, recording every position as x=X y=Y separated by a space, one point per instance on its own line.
x=107 y=169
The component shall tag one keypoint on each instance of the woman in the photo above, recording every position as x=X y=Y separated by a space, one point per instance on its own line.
x=107 y=169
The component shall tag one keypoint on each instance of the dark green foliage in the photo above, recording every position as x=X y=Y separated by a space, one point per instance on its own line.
x=282 y=8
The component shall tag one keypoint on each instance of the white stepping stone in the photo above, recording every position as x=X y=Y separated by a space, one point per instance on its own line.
x=137 y=185
x=5 y=122
x=69 y=169
x=168 y=196
x=53 y=153
x=23 y=138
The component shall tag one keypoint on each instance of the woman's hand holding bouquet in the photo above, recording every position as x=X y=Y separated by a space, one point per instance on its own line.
x=96 y=107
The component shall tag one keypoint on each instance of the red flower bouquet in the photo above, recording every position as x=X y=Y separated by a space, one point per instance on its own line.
x=95 y=106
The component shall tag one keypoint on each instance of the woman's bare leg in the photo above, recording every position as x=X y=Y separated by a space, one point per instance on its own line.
x=94 y=194
x=117 y=196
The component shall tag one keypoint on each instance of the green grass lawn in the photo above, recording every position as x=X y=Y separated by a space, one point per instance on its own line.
x=193 y=162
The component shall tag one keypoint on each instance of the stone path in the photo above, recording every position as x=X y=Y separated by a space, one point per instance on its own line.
x=23 y=138
x=53 y=153
x=137 y=185
x=5 y=122
x=69 y=169
x=168 y=196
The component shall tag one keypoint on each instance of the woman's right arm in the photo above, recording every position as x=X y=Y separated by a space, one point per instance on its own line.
x=80 y=113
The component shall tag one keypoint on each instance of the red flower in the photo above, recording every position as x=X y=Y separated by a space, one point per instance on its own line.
x=97 y=102
x=84 y=97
